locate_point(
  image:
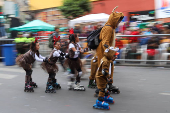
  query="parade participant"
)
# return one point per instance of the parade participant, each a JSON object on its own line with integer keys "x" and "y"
{"x": 107, "y": 38}
{"x": 51, "y": 68}
{"x": 74, "y": 62}
{"x": 26, "y": 60}
{"x": 104, "y": 73}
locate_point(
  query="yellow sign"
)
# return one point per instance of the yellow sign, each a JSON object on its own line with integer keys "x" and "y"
{"x": 44, "y": 4}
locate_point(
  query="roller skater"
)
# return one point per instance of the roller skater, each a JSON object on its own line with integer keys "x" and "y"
{"x": 51, "y": 68}
{"x": 74, "y": 63}
{"x": 107, "y": 37}
{"x": 26, "y": 60}
{"x": 104, "y": 72}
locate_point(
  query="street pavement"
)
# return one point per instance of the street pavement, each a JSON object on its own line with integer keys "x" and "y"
{"x": 142, "y": 90}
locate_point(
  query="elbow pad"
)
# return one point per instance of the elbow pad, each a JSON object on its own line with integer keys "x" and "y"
{"x": 77, "y": 52}
{"x": 104, "y": 72}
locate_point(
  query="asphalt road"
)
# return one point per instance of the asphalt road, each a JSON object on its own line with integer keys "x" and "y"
{"x": 142, "y": 90}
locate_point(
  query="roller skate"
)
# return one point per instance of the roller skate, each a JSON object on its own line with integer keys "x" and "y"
{"x": 113, "y": 89}
{"x": 92, "y": 84}
{"x": 78, "y": 87}
{"x": 56, "y": 85}
{"x": 108, "y": 99}
{"x": 33, "y": 84}
{"x": 49, "y": 88}
{"x": 28, "y": 88}
{"x": 101, "y": 104}
{"x": 75, "y": 87}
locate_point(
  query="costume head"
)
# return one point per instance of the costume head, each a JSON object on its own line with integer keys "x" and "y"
{"x": 115, "y": 18}
{"x": 110, "y": 52}
{"x": 72, "y": 36}
{"x": 33, "y": 45}
{"x": 55, "y": 40}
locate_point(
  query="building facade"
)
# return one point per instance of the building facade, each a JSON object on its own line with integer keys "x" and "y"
{"x": 47, "y": 11}
{"x": 133, "y": 6}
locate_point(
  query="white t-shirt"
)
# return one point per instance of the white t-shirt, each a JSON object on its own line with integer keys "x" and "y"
{"x": 40, "y": 58}
{"x": 71, "y": 46}
{"x": 56, "y": 53}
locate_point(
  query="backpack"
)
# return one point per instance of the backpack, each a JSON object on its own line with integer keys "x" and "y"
{"x": 93, "y": 38}
{"x": 50, "y": 44}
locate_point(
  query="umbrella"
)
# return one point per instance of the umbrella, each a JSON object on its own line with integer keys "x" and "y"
{"x": 89, "y": 18}
{"x": 34, "y": 26}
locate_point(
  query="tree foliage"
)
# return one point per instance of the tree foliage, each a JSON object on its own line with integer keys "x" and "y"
{"x": 75, "y": 8}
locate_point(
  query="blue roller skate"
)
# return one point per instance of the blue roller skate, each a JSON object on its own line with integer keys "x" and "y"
{"x": 101, "y": 104}
{"x": 108, "y": 99}
{"x": 49, "y": 88}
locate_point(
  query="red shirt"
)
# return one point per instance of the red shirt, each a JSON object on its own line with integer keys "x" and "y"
{"x": 134, "y": 39}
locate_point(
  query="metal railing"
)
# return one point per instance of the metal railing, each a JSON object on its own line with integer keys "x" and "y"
{"x": 45, "y": 50}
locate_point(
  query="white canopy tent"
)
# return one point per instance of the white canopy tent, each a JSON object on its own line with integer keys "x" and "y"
{"x": 89, "y": 18}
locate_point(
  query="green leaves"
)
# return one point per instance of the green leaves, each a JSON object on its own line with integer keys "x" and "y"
{"x": 75, "y": 8}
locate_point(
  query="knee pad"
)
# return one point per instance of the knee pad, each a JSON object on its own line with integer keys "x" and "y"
{"x": 28, "y": 72}
{"x": 80, "y": 73}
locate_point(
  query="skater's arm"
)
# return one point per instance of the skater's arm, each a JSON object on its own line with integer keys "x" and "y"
{"x": 41, "y": 57}
{"x": 38, "y": 59}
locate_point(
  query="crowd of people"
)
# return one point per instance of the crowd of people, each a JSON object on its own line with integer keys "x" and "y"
{"x": 152, "y": 42}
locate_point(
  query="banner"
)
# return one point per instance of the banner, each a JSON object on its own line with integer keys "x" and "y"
{"x": 162, "y": 8}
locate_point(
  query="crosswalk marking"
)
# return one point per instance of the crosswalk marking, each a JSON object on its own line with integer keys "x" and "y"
{"x": 12, "y": 70}
{"x": 164, "y": 93}
{"x": 7, "y": 76}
